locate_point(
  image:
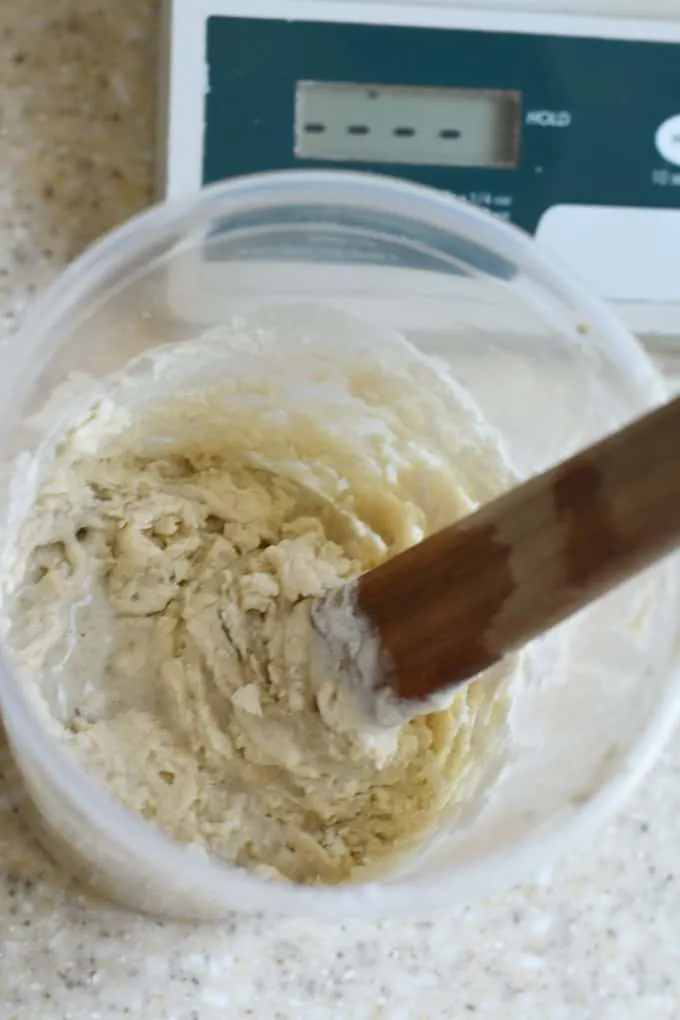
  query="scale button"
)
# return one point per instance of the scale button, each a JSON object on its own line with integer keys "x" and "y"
{"x": 667, "y": 139}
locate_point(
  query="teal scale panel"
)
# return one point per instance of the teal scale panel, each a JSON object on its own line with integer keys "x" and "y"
{"x": 614, "y": 95}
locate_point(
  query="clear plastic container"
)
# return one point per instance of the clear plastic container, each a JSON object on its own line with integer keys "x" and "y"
{"x": 551, "y": 369}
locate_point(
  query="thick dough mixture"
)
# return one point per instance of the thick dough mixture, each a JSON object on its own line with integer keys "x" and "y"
{"x": 159, "y": 596}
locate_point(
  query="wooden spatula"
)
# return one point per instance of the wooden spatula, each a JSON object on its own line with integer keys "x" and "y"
{"x": 442, "y": 612}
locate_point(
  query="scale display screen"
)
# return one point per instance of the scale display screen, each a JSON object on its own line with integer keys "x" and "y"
{"x": 398, "y": 124}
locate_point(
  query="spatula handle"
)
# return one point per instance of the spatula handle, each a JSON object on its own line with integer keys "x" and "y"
{"x": 453, "y": 605}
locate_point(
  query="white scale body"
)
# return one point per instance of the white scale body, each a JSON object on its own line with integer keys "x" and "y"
{"x": 565, "y": 124}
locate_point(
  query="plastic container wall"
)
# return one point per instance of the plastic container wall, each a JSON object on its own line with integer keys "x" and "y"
{"x": 551, "y": 369}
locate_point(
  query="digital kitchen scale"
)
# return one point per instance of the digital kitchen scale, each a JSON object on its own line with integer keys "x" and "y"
{"x": 566, "y": 126}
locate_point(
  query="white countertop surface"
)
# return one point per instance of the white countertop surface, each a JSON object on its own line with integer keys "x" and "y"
{"x": 595, "y": 937}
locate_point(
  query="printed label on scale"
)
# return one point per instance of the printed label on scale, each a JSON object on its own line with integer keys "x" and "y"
{"x": 664, "y": 178}
{"x": 548, "y": 118}
{"x": 499, "y": 205}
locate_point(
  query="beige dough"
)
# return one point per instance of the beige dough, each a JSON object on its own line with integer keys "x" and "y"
{"x": 160, "y": 602}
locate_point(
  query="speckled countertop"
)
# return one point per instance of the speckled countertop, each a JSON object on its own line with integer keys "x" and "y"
{"x": 597, "y": 937}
